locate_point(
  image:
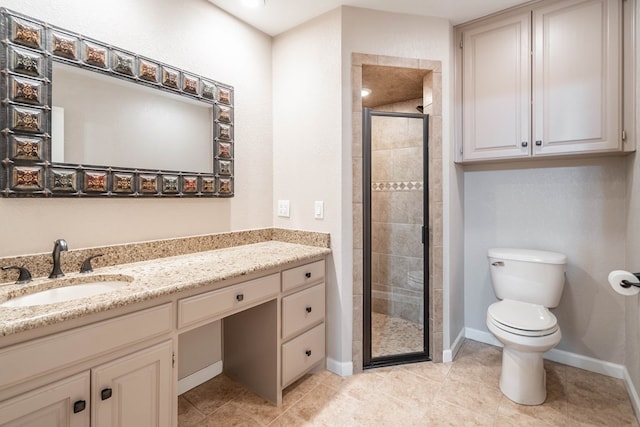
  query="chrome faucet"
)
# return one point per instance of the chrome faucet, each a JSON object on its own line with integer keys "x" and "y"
{"x": 59, "y": 245}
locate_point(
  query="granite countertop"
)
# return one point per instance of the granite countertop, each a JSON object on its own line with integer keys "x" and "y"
{"x": 149, "y": 279}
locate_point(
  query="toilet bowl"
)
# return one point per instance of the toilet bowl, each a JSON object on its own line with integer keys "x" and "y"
{"x": 527, "y": 282}
{"x": 523, "y": 379}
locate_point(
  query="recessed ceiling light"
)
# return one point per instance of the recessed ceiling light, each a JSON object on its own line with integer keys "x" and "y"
{"x": 253, "y": 4}
{"x": 365, "y": 92}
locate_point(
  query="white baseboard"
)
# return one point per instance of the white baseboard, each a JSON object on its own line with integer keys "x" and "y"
{"x": 481, "y": 336}
{"x": 344, "y": 369}
{"x": 199, "y": 377}
{"x": 574, "y": 360}
{"x": 566, "y": 358}
{"x": 587, "y": 363}
{"x": 450, "y": 354}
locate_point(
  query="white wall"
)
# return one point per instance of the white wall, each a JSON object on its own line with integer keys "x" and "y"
{"x": 576, "y": 207}
{"x": 632, "y": 304}
{"x": 190, "y": 34}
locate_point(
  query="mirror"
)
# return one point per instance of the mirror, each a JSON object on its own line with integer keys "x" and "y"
{"x": 155, "y": 129}
{"x": 84, "y": 118}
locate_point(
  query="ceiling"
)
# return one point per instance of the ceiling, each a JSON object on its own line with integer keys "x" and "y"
{"x": 391, "y": 84}
{"x": 278, "y": 16}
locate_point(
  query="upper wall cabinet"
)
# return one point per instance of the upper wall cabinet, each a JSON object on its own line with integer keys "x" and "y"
{"x": 541, "y": 81}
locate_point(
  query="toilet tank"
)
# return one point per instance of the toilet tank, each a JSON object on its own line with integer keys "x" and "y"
{"x": 527, "y": 275}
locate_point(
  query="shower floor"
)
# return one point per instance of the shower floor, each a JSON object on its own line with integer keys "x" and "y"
{"x": 392, "y": 335}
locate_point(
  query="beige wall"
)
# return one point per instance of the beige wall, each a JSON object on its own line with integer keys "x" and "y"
{"x": 413, "y": 38}
{"x": 307, "y": 151}
{"x": 190, "y": 34}
{"x": 312, "y": 131}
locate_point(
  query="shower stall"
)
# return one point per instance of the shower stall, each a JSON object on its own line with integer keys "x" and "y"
{"x": 395, "y": 185}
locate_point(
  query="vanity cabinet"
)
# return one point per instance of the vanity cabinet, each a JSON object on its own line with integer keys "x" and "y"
{"x": 303, "y": 315}
{"x": 541, "y": 80}
{"x": 120, "y": 370}
{"x": 134, "y": 389}
{"x": 64, "y": 403}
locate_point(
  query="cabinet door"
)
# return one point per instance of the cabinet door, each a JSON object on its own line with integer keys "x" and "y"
{"x": 64, "y": 403}
{"x": 135, "y": 390}
{"x": 577, "y": 77}
{"x": 496, "y": 89}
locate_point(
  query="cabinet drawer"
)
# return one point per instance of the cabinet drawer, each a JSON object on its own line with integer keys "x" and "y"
{"x": 224, "y": 301}
{"x": 302, "y": 275}
{"x": 56, "y": 351}
{"x": 302, "y": 353}
{"x": 302, "y": 309}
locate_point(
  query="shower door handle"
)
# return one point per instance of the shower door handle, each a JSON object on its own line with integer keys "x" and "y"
{"x": 424, "y": 230}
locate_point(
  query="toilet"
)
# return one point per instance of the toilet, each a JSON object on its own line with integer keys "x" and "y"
{"x": 528, "y": 283}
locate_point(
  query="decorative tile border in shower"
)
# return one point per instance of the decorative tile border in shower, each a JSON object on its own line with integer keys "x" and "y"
{"x": 397, "y": 186}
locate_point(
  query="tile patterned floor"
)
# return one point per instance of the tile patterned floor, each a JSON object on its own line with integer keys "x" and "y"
{"x": 393, "y": 335}
{"x": 462, "y": 393}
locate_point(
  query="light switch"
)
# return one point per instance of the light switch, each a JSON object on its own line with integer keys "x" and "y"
{"x": 319, "y": 210}
{"x": 283, "y": 208}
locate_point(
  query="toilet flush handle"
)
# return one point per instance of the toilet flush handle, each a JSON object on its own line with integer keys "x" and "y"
{"x": 497, "y": 264}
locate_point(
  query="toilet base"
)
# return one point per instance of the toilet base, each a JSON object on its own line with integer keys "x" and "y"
{"x": 523, "y": 378}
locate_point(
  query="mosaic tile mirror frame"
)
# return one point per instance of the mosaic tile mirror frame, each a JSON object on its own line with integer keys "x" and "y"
{"x": 26, "y": 60}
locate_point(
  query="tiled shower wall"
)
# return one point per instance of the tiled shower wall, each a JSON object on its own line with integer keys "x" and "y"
{"x": 397, "y": 213}
{"x": 435, "y": 197}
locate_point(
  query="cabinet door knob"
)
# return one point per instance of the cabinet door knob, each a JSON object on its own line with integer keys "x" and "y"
{"x": 307, "y": 274}
{"x": 524, "y": 143}
{"x": 539, "y": 143}
{"x": 308, "y": 309}
{"x": 308, "y": 353}
{"x": 239, "y": 297}
{"x": 106, "y": 393}
{"x": 79, "y": 406}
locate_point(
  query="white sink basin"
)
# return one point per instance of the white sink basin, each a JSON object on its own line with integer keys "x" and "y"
{"x": 65, "y": 293}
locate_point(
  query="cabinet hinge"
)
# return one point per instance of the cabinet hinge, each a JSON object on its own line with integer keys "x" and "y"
{"x": 173, "y": 359}
{"x": 624, "y": 135}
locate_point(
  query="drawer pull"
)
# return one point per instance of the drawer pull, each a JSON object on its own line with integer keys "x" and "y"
{"x": 79, "y": 406}
{"x": 308, "y": 353}
{"x": 239, "y": 297}
{"x": 307, "y": 274}
{"x": 106, "y": 394}
{"x": 308, "y": 309}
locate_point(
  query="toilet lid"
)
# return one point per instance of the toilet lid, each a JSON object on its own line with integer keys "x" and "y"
{"x": 522, "y": 318}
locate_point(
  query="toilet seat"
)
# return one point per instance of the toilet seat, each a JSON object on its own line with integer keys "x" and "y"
{"x": 521, "y": 318}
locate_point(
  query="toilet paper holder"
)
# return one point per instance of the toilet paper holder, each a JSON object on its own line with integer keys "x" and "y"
{"x": 628, "y": 284}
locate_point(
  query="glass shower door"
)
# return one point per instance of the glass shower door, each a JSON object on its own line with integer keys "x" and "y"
{"x": 395, "y": 244}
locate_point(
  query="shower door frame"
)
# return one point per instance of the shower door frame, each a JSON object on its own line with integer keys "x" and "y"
{"x": 396, "y": 359}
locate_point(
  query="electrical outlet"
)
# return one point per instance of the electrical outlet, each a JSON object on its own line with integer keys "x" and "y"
{"x": 283, "y": 208}
{"x": 318, "y": 212}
